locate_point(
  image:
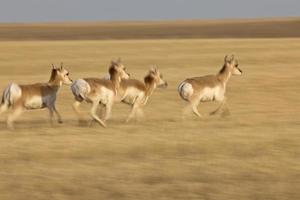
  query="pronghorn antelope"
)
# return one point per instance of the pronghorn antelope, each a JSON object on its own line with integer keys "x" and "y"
{"x": 209, "y": 88}
{"x": 137, "y": 93}
{"x": 35, "y": 96}
{"x": 99, "y": 91}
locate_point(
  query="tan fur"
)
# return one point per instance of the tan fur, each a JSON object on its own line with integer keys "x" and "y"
{"x": 99, "y": 91}
{"x": 210, "y": 87}
{"x": 34, "y": 96}
{"x": 137, "y": 93}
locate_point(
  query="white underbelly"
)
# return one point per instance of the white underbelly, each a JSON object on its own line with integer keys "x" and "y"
{"x": 212, "y": 94}
{"x": 34, "y": 102}
{"x": 104, "y": 96}
{"x": 132, "y": 94}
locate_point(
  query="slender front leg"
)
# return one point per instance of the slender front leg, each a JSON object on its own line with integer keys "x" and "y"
{"x": 223, "y": 102}
{"x": 132, "y": 113}
{"x": 51, "y": 115}
{"x": 107, "y": 114}
{"x": 94, "y": 114}
{"x": 59, "y": 119}
{"x": 13, "y": 116}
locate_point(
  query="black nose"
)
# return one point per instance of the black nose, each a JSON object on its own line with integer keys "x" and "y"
{"x": 240, "y": 70}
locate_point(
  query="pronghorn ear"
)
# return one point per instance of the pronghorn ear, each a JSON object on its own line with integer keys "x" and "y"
{"x": 152, "y": 70}
{"x": 226, "y": 59}
{"x": 118, "y": 60}
{"x": 113, "y": 62}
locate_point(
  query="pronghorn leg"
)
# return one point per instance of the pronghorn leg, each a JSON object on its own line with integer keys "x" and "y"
{"x": 94, "y": 114}
{"x": 139, "y": 114}
{"x": 59, "y": 119}
{"x": 3, "y": 108}
{"x": 13, "y": 116}
{"x": 107, "y": 114}
{"x": 195, "y": 109}
{"x": 223, "y": 103}
{"x": 76, "y": 106}
{"x": 102, "y": 111}
{"x": 132, "y": 113}
{"x": 51, "y": 113}
{"x": 226, "y": 111}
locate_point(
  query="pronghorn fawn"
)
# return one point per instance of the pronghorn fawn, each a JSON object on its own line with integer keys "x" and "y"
{"x": 99, "y": 92}
{"x": 137, "y": 93}
{"x": 35, "y": 96}
{"x": 209, "y": 88}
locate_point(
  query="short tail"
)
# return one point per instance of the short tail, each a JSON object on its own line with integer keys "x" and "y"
{"x": 185, "y": 90}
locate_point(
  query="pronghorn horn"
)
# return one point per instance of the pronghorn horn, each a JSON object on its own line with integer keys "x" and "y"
{"x": 226, "y": 58}
{"x": 119, "y": 60}
{"x": 153, "y": 70}
{"x": 53, "y": 67}
{"x": 61, "y": 65}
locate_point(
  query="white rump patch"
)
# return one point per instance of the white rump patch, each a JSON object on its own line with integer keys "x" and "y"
{"x": 80, "y": 88}
{"x": 12, "y": 93}
{"x": 185, "y": 90}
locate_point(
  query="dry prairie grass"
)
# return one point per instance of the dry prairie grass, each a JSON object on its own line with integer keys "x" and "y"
{"x": 251, "y": 28}
{"x": 252, "y": 154}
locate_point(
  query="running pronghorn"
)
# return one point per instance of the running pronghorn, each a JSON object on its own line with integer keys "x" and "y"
{"x": 137, "y": 93}
{"x": 209, "y": 88}
{"x": 35, "y": 96}
{"x": 99, "y": 91}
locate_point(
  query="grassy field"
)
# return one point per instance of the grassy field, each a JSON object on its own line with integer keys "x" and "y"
{"x": 192, "y": 29}
{"x": 252, "y": 154}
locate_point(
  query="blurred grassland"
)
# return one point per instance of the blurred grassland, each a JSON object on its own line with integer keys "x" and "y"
{"x": 252, "y": 154}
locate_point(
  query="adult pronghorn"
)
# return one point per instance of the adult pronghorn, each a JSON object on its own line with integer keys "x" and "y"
{"x": 35, "y": 96}
{"x": 99, "y": 91}
{"x": 209, "y": 88}
{"x": 137, "y": 93}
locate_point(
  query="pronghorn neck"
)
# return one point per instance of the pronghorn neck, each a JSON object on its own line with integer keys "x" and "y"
{"x": 224, "y": 74}
{"x": 54, "y": 80}
{"x": 115, "y": 79}
{"x": 150, "y": 85}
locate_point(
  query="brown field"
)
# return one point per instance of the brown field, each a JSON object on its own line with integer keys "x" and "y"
{"x": 251, "y": 28}
{"x": 252, "y": 154}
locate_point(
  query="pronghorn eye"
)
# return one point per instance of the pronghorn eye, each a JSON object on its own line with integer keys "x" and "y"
{"x": 67, "y": 74}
